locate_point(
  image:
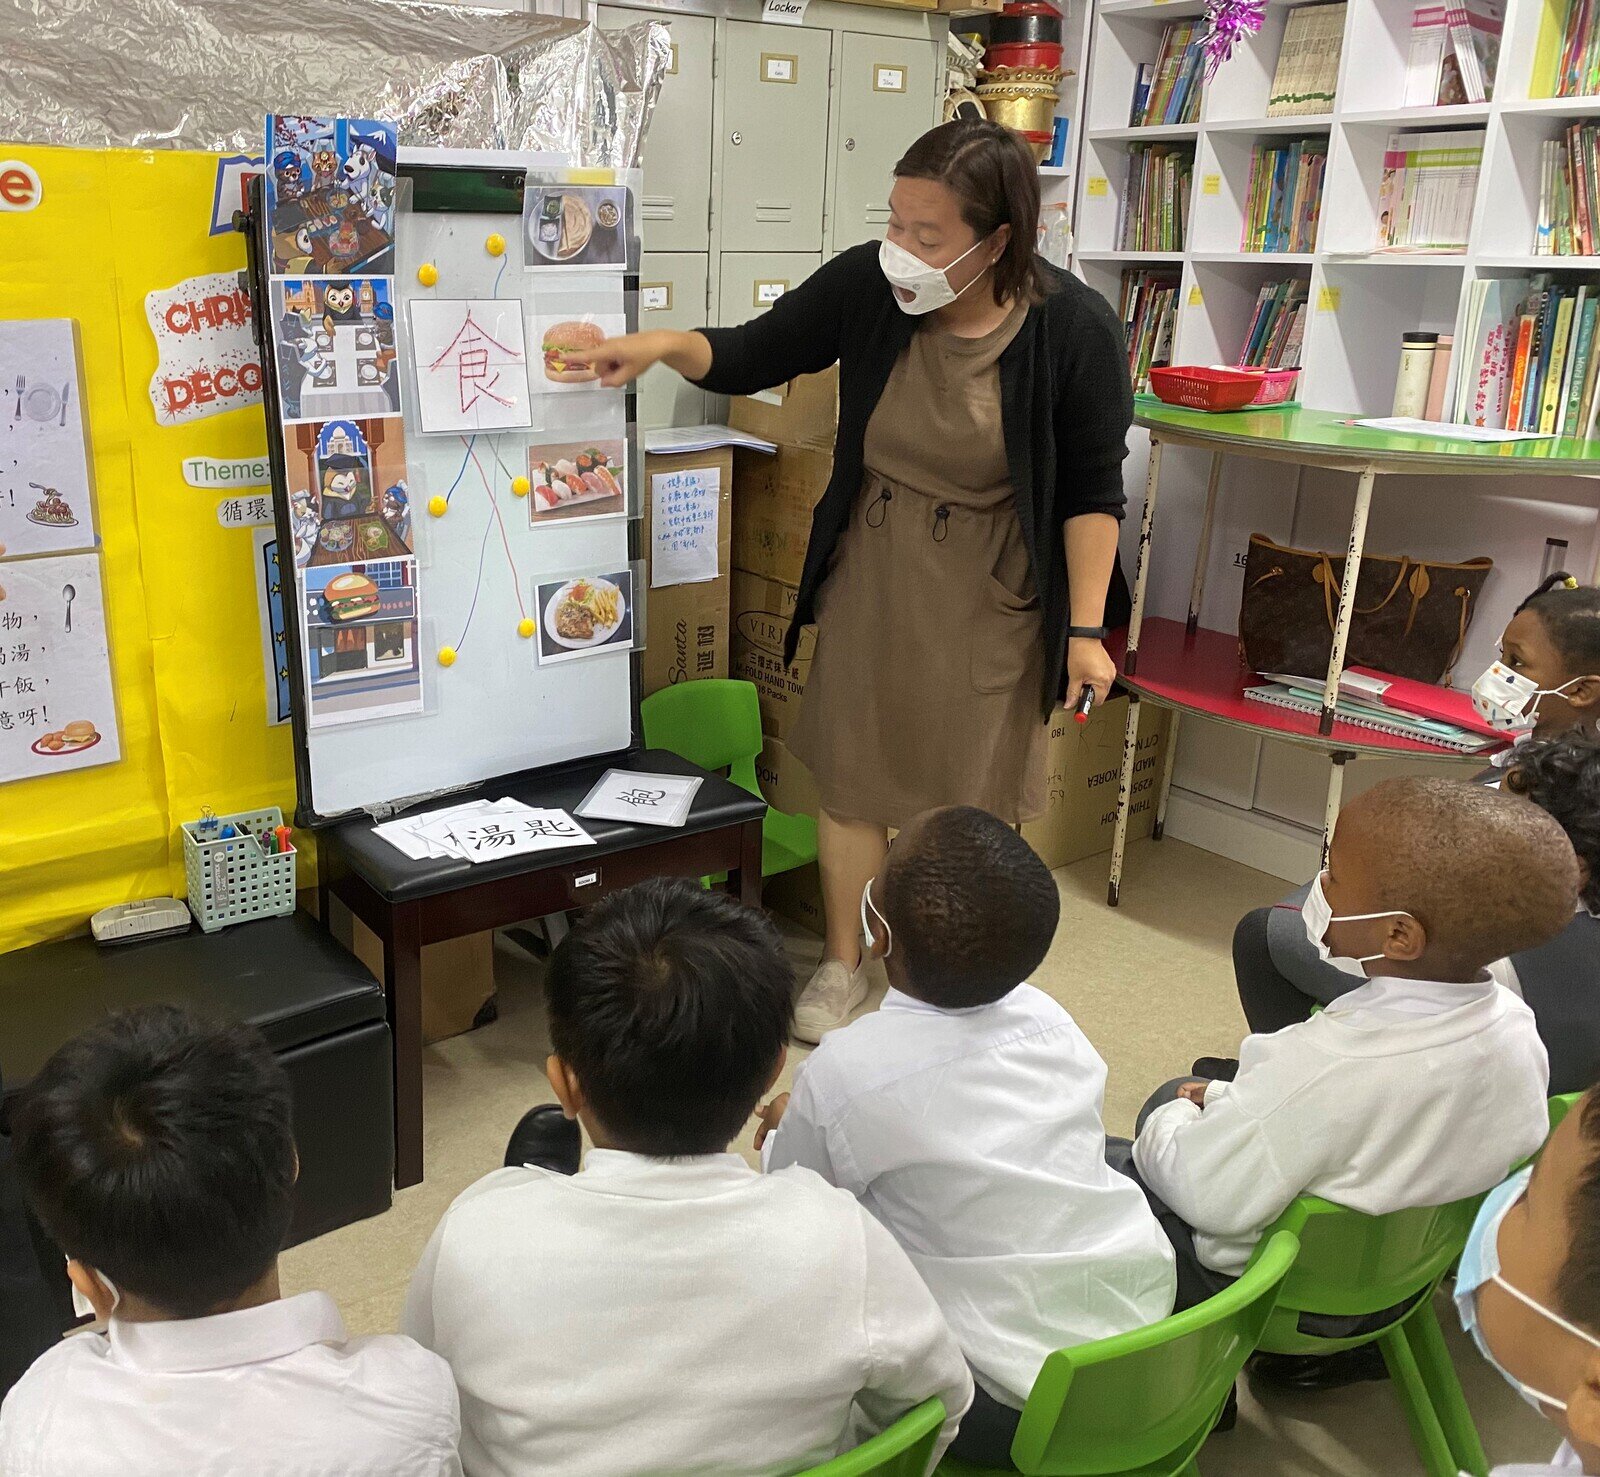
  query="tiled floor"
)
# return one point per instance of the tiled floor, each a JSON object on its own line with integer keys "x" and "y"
{"x": 1150, "y": 983}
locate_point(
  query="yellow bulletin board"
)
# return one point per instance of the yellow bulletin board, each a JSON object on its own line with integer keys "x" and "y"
{"x": 106, "y": 230}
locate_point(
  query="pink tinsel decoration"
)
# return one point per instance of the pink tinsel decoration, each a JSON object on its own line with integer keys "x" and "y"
{"x": 1231, "y": 21}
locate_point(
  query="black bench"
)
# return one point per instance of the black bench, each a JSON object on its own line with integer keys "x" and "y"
{"x": 317, "y": 1005}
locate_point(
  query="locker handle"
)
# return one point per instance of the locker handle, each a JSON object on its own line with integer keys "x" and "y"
{"x": 658, "y": 207}
{"x": 774, "y": 212}
{"x": 877, "y": 215}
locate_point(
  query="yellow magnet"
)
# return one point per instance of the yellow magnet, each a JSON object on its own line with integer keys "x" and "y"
{"x": 495, "y": 244}
{"x": 526, "y": 627}
{"x": 521, "y": 486}
{"x": 427, "y": 274}
{"x": 447, "y": 656}
{"x": 437, "y": 506}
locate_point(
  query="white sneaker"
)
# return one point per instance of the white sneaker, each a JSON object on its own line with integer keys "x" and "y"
{"x": 825, "y": 1004}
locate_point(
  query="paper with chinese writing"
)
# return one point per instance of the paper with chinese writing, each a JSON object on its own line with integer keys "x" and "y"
{"x": 360, "y": 641}
{"x": 472, "y": 364}
{"x": 44, "y": 459}
{"x": 684, "y": 512}
{"x": 641, "y": 799}
{"x": 57, "y": 703}
{"x": 482, "y": 831}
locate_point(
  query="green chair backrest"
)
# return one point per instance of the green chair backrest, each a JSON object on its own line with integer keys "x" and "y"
{"x": 715, "y": 724}
{"x": 1560, "y": 1107}
{"x": 1352, "y": 1264}
{"x": 1122, "y": 1403}
{"x": 901, "y": 1451}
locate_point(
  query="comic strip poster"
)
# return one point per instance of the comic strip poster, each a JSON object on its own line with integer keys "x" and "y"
{"x": 348, "y": 498}
{"x": 336, "y": 347}
{"x": 361, "y": 639}
{"x": 330, "y": 195}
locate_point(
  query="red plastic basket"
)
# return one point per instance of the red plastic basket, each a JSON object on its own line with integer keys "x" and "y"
{"x": 1203, "y": 387}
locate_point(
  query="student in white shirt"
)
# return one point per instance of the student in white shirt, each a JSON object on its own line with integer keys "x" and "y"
{"x": 157, "y": 1150}
{"x": 1528, "y": 1287}
{"x": 1425, "y": 1084}
{"x": 667, "y": 1308}
{"x": 965, "y": 1115}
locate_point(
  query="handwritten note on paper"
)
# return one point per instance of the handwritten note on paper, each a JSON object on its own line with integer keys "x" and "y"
{"x": 685, "y": 508}
{"x": 57, "y": 707}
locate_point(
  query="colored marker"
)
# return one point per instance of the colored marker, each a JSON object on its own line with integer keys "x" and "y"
{"x": 282, "y": 833}
{"x": 1080, "y": 714}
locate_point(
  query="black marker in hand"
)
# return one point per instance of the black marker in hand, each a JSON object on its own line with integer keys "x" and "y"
{"x": 1080, "y": 714}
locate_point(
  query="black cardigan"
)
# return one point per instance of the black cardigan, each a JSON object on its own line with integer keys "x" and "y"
{"x": 1066, "y": 405}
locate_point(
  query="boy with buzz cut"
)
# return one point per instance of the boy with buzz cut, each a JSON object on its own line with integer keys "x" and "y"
{"x": 666, "y": 1308}
{"x": 965, "y": 1115}
{"x": 1422, "y": 1086}
{"x": 157, "y": 1151}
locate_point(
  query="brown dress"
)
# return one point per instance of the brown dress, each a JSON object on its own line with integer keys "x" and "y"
{"x": 924, "y": 689}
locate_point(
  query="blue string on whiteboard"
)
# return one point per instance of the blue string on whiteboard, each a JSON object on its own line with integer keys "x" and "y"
{"x": 493, "y": 520}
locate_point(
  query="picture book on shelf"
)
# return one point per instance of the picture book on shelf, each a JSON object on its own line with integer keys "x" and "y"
{"x": 1426, "y": 193}
{"x": 1149, "y": 310}
{"x": 1272, "y": 341}
{"x": 1566, "y": 59}
{"x": 1568, "y": 223}
{"x": 1285, "y": 196}
{"x": 1168, "y": 90}
{"x": 1155, "y": 201}
{"x": 1454, "y": 52}
{"x": 1308, "y": 62}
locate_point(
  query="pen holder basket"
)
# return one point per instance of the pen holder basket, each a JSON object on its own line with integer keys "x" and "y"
{"x": 238, "y": 879}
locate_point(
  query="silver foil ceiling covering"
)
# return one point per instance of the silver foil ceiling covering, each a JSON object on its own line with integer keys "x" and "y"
{"x": 202, "y": 74}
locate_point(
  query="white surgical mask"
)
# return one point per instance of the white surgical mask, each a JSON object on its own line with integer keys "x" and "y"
{"x": 868, "y": 943}
{"x": 1507, "y": 700}
{"x": 1318, "y": 915}
{"x": 83, "y": 1307}
{"x": 929, "y": 286}
{"x": 1480, "y": 1263}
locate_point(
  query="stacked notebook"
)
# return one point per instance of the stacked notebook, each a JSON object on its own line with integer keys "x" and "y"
{"x": 1385, "y": 704}
{"x": 1455, "y": 51}
{"x": 1308, "y": 62}
{"x": 1429, "y": 183}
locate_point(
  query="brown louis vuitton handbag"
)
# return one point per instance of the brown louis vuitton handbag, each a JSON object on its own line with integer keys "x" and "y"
{"x": 1411, "y": 615}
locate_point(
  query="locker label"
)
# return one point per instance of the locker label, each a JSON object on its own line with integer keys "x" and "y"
{"x": 767, "y": 293}
{"x": 888, "y": 79}
{"x": 655, "y": 297}
{"x": 1195, "y": 297}
{"x": 784, "y": 12}
{"x": 775, "y": 68}
{"x": 1098, "y": 187}
{"x": 1211, "y": 184}
{"x": 1327, "y": 299}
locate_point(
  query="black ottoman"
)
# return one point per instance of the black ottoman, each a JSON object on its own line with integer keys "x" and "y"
{"x": 317, "y": 1005}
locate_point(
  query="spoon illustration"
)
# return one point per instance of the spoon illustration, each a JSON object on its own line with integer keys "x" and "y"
{"x": 70, "y": 594}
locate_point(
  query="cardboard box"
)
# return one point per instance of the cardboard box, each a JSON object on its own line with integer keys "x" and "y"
{"x": 687, "y": 625}
{"x": 1083, "y": 768}
{"x": 773, "y": 500}
{"x": 797, "y": 896}
{"x": 803, "y": 412}
{"x": 762, "y": 609}
{"x": 786, "y": 783}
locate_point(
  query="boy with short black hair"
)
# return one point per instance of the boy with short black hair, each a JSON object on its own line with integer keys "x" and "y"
{"x": 1420, "y": 1087}
{"x": 965, "y": 1115}
{"x": 668, "y": 1309}
{"x": 158, "y": 1153}
{"x": 1528, "y": 1287}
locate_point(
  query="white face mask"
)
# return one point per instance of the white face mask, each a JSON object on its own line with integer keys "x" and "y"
{"x": 1507, "y": 700}
{"x": 83, "y": 1307}
{"x": 1480, "y": 1263}
{"x": 929, "y": 286}
{"x": 868, "y": 942}
{"x": 1318, "y": 915}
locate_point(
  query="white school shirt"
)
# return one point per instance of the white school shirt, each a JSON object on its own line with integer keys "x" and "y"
{"x": 975, "y": 1137}
{"x": 275, "y": 1391}
{"x": 1564, "y": 1461}
{"x": 1400, "y": 1093}
{"x": 675, "y": 1316}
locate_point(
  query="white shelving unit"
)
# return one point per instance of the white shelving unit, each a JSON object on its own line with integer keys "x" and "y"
{"x": 1360, "y": 301}
{"x": 1057, "y": 183}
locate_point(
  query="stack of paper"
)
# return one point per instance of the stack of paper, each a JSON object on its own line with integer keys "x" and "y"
{"x": 482, "y": 831}
{"x": 644, "y": 799}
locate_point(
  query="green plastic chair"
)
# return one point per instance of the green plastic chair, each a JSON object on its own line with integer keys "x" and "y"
{"x": 1352, "y": 1265}
{"x": 901, "y": 1451}
{"x": 1141, "y": 1404}
{"x": 716, "y": 724}
{"x": 1560, "y": 1107}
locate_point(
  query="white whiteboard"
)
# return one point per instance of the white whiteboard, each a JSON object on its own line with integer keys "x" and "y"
{"x": 495, "y": 710}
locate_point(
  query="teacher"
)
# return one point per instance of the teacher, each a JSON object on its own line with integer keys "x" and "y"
{"x": 960, "y": 558}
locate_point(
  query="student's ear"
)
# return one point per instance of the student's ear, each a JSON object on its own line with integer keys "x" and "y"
{"x": 1584, "y": 694}
{"x": 87, "y": 1281}
{"x": 565, "y": 1086}
{"x": 1583, "y": 1409}
{"x": 1405, "y": 939}
{"x": 777, "y": 1070}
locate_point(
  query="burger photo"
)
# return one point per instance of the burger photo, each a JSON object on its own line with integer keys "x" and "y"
{"x": 349, "y": 597}
{"x": 562, "y": 339}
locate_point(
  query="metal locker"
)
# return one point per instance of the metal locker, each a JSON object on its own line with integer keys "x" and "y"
{"x": 674, "y": 292}
{"x": 751, "y": 282}
{"x": 774, "y": 137}
{"x": 886, "y": 101}
{"x": 676, "y": 203}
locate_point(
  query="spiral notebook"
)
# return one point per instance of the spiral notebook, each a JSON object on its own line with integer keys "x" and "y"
{"x": 1379, "y": 720}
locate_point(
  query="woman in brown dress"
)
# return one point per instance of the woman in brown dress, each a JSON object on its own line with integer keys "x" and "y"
{"x": 961, "y": 556}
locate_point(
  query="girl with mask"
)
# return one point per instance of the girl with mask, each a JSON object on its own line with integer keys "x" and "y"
{"x": 960, "y": 560}
{"x": 1528, "y": 1288}
{"x": 1546, "y": 684}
